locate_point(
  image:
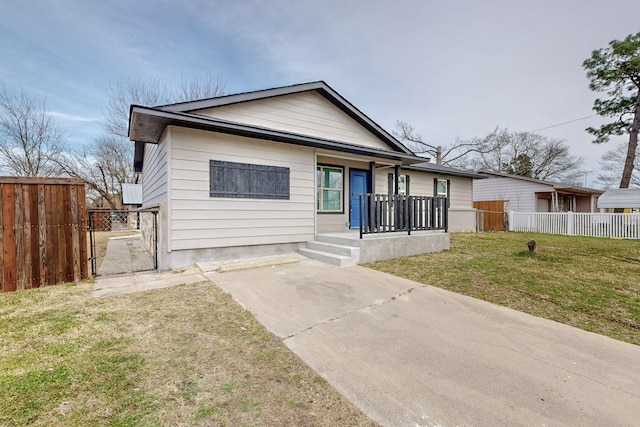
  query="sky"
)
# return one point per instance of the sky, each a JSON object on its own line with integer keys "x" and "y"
{"x": 452, "y": 69}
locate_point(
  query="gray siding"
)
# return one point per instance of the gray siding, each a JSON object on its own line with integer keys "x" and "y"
{"x": 198, "y": 220}
{"x": 306, "y": 113}
{"x": 519, "y": 195}
{"x": 154, "y": 174}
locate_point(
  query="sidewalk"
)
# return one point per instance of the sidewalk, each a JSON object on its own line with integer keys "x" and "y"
{"x": 125, "y": 254}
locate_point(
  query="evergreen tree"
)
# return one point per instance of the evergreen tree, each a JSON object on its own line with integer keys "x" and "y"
{"x": 616, "y": 71}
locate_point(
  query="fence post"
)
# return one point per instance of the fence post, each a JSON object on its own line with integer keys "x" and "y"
{"x": 511, "y": 222}
{"x": 91, "y": 245}
{"x": 570, "y": 223}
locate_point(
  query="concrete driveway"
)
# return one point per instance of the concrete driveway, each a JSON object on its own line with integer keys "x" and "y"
{"x": 414, "y": 355}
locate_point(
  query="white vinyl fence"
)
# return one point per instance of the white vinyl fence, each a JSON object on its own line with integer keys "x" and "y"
{"x": 617, "y": 225}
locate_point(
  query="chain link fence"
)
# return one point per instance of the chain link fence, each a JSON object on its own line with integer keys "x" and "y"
{"x": 106, "y": 224}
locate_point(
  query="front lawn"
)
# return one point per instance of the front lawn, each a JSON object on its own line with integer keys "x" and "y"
{"x": 590, "y": 283}
{"x": 182, "y": 356}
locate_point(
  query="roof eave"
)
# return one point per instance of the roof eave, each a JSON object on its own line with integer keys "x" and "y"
{"x": 447, "y": 171}
{"x": 319, "y": 86}
{"x": 148, "y": 124}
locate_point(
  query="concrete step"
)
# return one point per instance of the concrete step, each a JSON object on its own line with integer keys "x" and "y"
{"x": 329, "y": 258}
{"x": 339, "y": 240}
{"x": 333, "y": 248}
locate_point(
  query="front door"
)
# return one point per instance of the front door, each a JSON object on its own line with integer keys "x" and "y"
{"x": 358, "y": 184}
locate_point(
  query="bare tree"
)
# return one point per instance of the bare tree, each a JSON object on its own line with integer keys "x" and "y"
{"x": 612, "y": 164}
{"x": 531, "y": 155}
{"x": 104, "y": 165}
{"x": 152, "y": 93}
{"x": 108, "y": 162}
{"x": 455, "y": 155}
{"x": 518, "y": 153}
{"x": 30, "y": 139}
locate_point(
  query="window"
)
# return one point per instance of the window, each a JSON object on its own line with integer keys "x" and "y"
{"x": 403, "y": 184}
{"x": 330, "y": 186}
{"x": 442, "y": 187}
{"x": 244, "y": 180}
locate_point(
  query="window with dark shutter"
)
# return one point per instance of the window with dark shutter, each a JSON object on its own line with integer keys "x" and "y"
{"x": 248, "y": 181}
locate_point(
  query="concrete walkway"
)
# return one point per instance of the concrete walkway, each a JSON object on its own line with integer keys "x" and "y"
{"x": 128, "y": 267}
{"x": 415, "y": 355}
{"x": 125, "y": 254}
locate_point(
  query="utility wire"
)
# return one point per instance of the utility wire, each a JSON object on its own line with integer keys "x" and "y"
{"x": 564, "y": 123}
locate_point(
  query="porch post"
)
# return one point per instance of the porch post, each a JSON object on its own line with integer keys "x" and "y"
{"x": 397, "y": 180}
{"x": 396, "y": 198}
{"x": 371, "y": 217}
{"x": 372, "y": 177}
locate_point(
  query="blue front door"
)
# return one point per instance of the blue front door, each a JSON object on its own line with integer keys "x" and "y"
{"x": 358, "y": 184}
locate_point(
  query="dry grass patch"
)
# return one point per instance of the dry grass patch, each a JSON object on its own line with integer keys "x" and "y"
{"x": 589, "y": 283}
{"x": 182, "y": 356}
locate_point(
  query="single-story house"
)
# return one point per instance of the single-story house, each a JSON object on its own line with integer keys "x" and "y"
{"x": 620, "y": 198}
{"x": 291, "y": 168}
{"x": 522, "y": 194}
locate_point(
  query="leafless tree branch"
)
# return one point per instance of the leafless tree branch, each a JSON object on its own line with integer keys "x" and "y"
{"x": 30, "y": 139}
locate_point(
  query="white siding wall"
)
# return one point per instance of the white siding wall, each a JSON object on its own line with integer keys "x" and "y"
{"x": 154, "y": 173}
{"x": 462, "y": 216}
{"x": 519, "y": 195}
{"x": 199, "y": 221}
{"x": 421, "y": 184}
{"x": 307, "y": 113}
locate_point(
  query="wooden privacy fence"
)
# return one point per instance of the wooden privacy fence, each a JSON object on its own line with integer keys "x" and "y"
{"x": 42, "y": 232}
{"x": 490, "y": 215}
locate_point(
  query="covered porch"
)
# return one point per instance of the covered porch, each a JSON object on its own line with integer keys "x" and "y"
{"x": 370, "y": 209}
{"x": 567, "y": 200}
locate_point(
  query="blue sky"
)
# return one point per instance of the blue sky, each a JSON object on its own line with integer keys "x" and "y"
{"x": 451, "y": 69}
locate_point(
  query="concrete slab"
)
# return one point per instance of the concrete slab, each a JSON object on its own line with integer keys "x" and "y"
{"x": 289, "y": 299}
{"x": 138, "y": 282}
{"x": 125, "y": 254}
{"x": 415, "y": 355}
{"x": 247, "y": 263}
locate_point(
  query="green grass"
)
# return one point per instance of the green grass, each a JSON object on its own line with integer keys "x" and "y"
{"x": 187, "y": 356}
{"x": 589, "y": 283}
{"x": 60, "y": 366}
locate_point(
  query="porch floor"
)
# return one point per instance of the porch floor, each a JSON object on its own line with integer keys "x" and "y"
{"x": 382, "y": 246}
{"x": 355, "y": 234}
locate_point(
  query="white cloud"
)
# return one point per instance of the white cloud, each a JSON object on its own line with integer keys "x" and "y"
{"x": 73, "y": 117}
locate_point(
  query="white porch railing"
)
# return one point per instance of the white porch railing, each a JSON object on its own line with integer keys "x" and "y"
{"x": 617, "y": 225}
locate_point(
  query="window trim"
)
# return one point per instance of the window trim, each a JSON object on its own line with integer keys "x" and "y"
{"x": 437, "y": 194}
{"x": 320, "y": 188}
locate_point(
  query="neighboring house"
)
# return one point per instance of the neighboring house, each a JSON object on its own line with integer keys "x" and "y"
{"x": 627, "y": 199}
{"x": 522, "y": 194}
{"x": 269, "y": 171}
